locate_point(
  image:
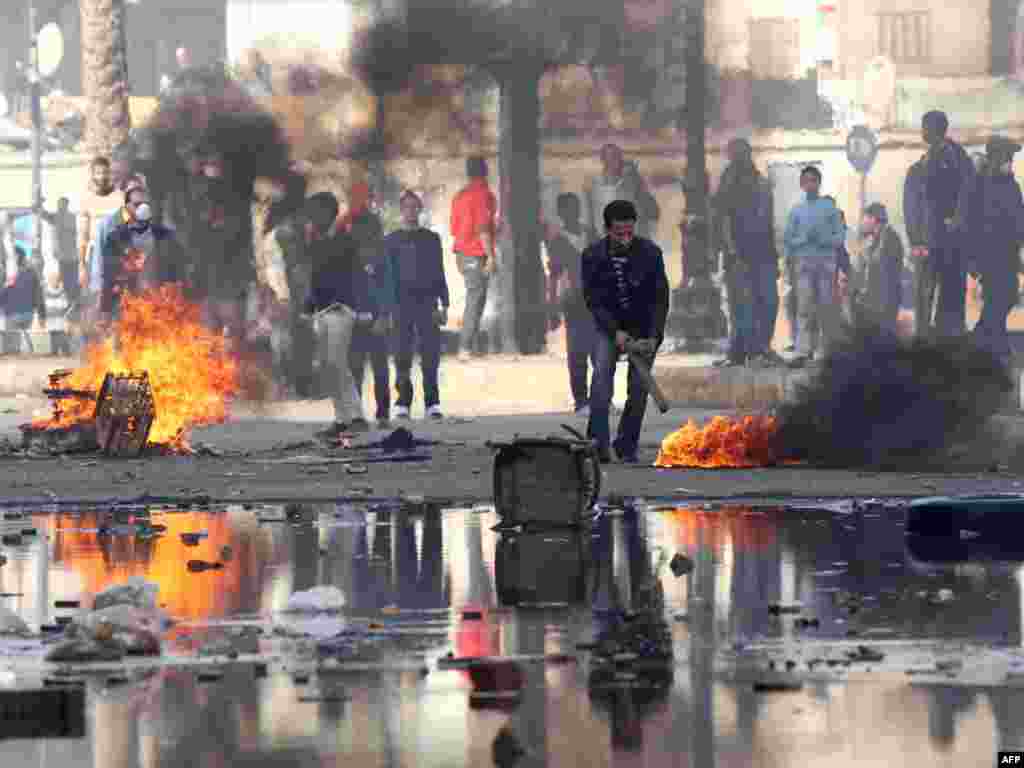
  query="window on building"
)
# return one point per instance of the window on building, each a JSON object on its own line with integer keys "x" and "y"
{"x": 775, "y": 48}
{"x": 905, "y": 37}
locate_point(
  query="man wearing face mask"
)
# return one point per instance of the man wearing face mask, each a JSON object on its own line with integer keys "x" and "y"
{"x": 995, "y": 226}
{"x": 140, "y": 256}
{"x": 626, "y": 288}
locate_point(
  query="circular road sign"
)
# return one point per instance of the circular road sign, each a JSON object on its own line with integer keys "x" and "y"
{"x": 861, "y": 148}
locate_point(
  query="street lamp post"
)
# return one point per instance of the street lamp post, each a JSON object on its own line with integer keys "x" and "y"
{"x": 37, "y": 132}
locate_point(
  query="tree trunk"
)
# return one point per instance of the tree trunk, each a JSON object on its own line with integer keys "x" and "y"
{"x": 104, "y": 75}
{"x": 520, "y": 149}
{"x": 697, "y": 205}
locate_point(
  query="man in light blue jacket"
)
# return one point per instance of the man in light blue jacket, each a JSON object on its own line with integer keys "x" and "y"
{"x": 814, "y": 234}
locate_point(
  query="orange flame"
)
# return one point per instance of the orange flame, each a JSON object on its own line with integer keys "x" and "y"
{"x": 190, "y": 371}
{"x": 724, "y": 442}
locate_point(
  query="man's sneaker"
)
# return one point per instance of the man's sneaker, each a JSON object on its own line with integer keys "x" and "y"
{"x": 359, "y": 425}
{"x": 384, "y": 423}
{"x": 434, "y": 413}
{"x": 729, "y": 362}
{"x": 333, "y": 432}
{"x": 604, "y": 456}
{"x": 798, "y": 363}
{"x": 402, "y": 413}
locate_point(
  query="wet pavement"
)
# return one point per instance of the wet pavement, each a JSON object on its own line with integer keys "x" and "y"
{"x": 672, "y": 635}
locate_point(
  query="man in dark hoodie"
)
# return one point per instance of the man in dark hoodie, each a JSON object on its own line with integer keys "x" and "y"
{"x": 995, "y": 226}
{"x": 338, "y": 301}
{"x": 21, "y": 299}
{"x": 933, "y": 198}
{"x": 415, "y": 259}
{"x": 877, "y": 273}
{"x": 364, "y": 226}
{"x": 626, "y": 288}
{"x": 746, "y": 221}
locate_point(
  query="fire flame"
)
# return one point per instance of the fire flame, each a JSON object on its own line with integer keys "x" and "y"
{"x": 192, "y": 375}
{"x": 724, "y": 442}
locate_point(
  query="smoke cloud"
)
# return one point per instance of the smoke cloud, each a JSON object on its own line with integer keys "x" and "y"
{"x": 885, "y": 402}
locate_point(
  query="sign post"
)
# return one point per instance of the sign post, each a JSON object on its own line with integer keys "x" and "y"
{"x": 862, "y": 151}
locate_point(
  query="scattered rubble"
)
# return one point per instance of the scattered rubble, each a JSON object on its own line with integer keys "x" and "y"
{"x": 317, "y": 600}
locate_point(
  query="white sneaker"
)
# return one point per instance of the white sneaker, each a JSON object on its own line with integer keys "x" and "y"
{"x": 434, "y": 413}
{"x": 401, "y": 412}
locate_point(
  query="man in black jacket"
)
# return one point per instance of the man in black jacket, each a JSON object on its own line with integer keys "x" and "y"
{"x": 339, "y": 301}
{"x": 416, "y": 263}
{"x": 933, "y": 198}
{"x": 995, "y": 225}
{"x": 626, "y": 289}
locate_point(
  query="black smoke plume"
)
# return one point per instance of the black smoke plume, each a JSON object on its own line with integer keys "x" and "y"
{"x": 883, "y": 401}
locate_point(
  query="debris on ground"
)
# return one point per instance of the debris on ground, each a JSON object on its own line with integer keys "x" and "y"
{"x": 193, "y": 539}
{"x": 783, "y": 609}
{"x": 136, "y": 592}
{"x": 864, "y": 653}
{"x": 200, "y": 566}
{"x": 317, "y": 600}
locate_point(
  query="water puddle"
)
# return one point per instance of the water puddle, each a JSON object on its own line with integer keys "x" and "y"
{"x": 692, "y": 634}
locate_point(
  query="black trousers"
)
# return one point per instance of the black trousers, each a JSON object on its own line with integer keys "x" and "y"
{"x": 415, "y": 326}
{"x": 368, "y": 346}
{"x": 1000, "y": 292}
{"x": 940, "y": 292}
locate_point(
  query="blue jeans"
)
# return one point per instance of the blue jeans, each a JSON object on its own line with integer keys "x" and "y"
{"x": 580, "y": 337}
{"x": 754, "y": 297}
{"x": 817, "y": 314}
{"x": 606, "y": 360}
{"x": 415, "y": 322}
{"x": 476, "y": 280}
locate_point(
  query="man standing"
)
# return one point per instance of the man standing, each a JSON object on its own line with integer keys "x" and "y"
{"x": 932, "y": 199}
{"x": 21, "y": 299}
{"x": 565, "y": 245}
{"x": 97, "y": 204}
{"x": 746, "y": 212}
{"x": 416, "y": 260}
{"x": 473, "y": 229}
{"x": 364, "y": 226}
{"x": 619, "y": 180}
{"x": 336, "y": 295}
{"x": 626, "y": 288}
{"x": 63, "y": 223}
{"x": 995, "y": 225}
{"x": 138, "y": 255}
{"x": 814, "y": 234}
{"x": 878, "y": 270}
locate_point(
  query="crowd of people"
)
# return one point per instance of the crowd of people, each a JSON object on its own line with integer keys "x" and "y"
{"x": 962, "y": 217}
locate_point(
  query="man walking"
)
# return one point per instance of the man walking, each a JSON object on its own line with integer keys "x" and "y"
{"x": 995, "y": 225}
{"x": 626, "y": 288}
{"x": 814, "y": 234}
{"x": 416, "y": 260}
{"x": 336, "y": 299}
{"x": 878, "y": 270}
{"x": 745, "y": 209}
{"x": 933, "y": 197}
{"x": 619, "y": 180}
{"x": 565, "y": 245}
{"x": 473, "y": 229}
{"x": 371, "y": 342}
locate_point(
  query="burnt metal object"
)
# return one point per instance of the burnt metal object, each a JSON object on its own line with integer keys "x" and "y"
{"x": 545, "y": 482}
{"x": 58, "y": 393}
{"x": 124, "y": 414}
{"x": 76, "y": 438}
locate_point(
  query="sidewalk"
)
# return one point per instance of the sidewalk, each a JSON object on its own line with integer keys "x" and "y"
{"x": 504, "y": 385}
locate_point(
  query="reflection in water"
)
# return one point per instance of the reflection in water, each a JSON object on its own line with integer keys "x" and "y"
{"x": 445, "y": 577}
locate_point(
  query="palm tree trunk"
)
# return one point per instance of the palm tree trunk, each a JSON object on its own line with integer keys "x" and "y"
{"x": 105, "y": 75}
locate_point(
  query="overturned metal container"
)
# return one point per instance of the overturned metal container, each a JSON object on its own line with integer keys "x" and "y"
{"x": 125, "y": 412}
{"x": 545, "y": 482}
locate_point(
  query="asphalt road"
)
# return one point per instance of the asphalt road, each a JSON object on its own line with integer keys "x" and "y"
{"x": 253, "y": 447}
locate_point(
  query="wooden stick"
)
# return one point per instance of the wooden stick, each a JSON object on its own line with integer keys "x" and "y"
{"x": 650, "y": 383}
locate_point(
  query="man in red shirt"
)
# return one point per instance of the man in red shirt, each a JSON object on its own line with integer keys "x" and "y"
{"x": 473, "y": 227}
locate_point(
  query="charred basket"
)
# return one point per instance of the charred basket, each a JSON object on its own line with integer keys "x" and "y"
{"x": 124, "y": 414}
{"x": 546, "y": 482}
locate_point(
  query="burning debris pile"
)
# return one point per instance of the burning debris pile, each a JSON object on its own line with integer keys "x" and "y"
{"x": 169, "y": 374}
{"x": 878, "y": 401}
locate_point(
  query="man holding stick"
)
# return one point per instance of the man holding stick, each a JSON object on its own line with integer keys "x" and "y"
{"x": 626, "y": 288}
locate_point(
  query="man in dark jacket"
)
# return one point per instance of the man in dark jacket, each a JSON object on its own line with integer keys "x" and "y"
{"x": 21, "y": 299}
{"x": 745, "y": 212}
{"x": 933, "y": 196}
{"x": 878, "y": 271}
{"x": 338, "y": 301}
{"x": 364, "y": 226}
{"x": 995, "y": 226}
{"x": 626, "y": 289}
{"x": 565, "y": 244}
{"x": 415, "y": 260}
{"x": 137, "y": 256}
